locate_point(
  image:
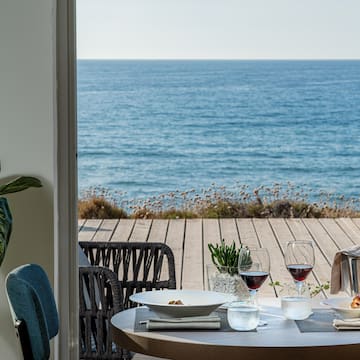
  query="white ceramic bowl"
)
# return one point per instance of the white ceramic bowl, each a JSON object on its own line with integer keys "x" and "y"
{"x": 342, "y": 306}
{"x": 195, "y": 302}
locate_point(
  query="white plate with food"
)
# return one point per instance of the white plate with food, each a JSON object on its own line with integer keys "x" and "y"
{"x": 180, "y": 303}
{"x": 346, "y": 307}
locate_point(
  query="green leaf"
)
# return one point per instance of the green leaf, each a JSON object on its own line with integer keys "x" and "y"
{"x": 313, "y": 289}
{"x": 5, "y": 227}
{"x": 19, "y": 184}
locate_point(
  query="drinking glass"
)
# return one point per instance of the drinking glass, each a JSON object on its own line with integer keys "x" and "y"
{"x": 295, "y": 306}
{"x": 254, "y": 268}
{"x": 299, "y": 260}
{"x": 243, "y": 315}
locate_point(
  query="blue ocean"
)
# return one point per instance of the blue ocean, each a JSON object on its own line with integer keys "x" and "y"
{"x": 152, "y": 127}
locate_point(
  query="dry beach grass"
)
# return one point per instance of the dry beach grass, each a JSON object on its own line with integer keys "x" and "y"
{"x": 278, "y": 201}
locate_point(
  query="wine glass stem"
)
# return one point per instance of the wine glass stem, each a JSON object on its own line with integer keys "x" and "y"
{"x": 299, "y": 285}
{"x": 254, "y": 300}
{"x": 253, "y": 296}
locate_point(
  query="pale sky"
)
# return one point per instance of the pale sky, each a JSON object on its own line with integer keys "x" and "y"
{"x": 218, "y": 29}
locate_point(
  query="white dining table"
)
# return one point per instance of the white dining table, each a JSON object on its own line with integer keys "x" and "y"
{"x": 279, "y": 339}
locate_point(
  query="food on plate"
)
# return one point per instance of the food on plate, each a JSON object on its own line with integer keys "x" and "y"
{"x": 355, "y": 302}
{"x": 175, "y": 302}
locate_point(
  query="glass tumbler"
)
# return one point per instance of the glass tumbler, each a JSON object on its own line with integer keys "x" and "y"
{"x": 243, "y": 315}
{"x": 295, "y": 305}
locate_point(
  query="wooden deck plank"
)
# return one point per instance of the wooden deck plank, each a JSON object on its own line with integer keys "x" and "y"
{"x": 211, "y": 235}
{"x": 105, "y": 230}
{"x": 89, "y": 229}
{"x": 123, "y": 230}
{"x": 350, "y": 228}
{"x": 339, "y": 236}
{"x": 247, "y": 232}
{"x": 193, "y": 256}
{"x": 141, "y": 230}
{"x": 158, "y": 230}
{"x": 281, "y": 231}
{"x": 158, "y": 234}
{"x": 81, "y": 223}
{"x": 325, "y": 243}
{"x": 356, "y": 221}
{"x": 298, "y": 229}
{"x": 175, "y": 239}
{"x": 228, "y": 231}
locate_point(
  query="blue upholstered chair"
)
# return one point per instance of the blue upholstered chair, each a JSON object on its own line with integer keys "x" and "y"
{"x": 33, "y": 310}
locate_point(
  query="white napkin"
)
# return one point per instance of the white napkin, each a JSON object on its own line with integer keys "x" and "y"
{"x": 348, "y": 324}
{"x": 340, "y": 271}
{"x": 191, "y": 322}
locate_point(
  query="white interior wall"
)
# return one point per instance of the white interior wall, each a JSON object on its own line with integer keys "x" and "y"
{"x": 27, "y": 108}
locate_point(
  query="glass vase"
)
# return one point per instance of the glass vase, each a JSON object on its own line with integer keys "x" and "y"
{"x": 226, "y": 280}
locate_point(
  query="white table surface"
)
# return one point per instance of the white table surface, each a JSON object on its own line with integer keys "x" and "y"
{"x": 279, "y": 339}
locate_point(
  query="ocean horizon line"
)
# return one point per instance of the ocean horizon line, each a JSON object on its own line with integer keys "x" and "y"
{"x": 217, "y": 59}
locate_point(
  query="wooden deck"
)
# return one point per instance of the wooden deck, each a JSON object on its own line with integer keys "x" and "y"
{"x": 189, "y": 241}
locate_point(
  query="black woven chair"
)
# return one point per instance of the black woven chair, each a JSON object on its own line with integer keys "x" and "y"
{"x": 140, "y": 266}
{"x": 100, "y": 298}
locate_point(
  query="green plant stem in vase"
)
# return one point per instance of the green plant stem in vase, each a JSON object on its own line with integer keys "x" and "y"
{"x": 223, "y": 273}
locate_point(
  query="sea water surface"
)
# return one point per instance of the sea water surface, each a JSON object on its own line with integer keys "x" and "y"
{"x": 152, "y": 127}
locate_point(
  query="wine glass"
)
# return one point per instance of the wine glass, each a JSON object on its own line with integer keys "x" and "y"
{"x": 299, "y": 260}
{"x": 254, "y": 268}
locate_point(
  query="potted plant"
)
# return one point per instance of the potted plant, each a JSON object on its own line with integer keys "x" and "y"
{"x": 17, "y": 184}
{"x": 223, "y": 273}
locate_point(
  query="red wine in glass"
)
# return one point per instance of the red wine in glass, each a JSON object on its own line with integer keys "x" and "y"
{"x": 254, "y": 268}
{"x": 299, "y": 260}
{"x": 299, "y": 271}
{"x": 254, "y": 279}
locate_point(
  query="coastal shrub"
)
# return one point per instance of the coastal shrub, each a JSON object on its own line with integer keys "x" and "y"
{"x": 99, "y": 208}
{"x": 94, "y": 204}
{"x": 178, "y": 214}
{"x": 278, "y": 201}
{"x": 167, "y": 214}
{"x": 223, "y": 209}
{"x": 255, "y": 210}
{"x": 143, "y": 214}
